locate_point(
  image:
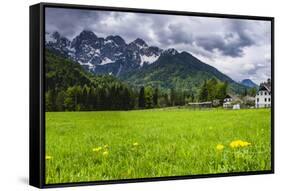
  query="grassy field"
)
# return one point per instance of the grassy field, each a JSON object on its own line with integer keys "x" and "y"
{"x": 89, "y": 146}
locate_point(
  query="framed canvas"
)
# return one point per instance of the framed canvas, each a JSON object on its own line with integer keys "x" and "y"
{"x": 123, "y": 95}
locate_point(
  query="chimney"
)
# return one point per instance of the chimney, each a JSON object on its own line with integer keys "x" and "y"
{"x": 268, "y": 81}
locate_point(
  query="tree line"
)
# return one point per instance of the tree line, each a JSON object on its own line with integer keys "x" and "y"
{"x": 87, "y": 98}
{"x": 113, "y": 96}
{"x": 120, "y": 96}
{"x": 215, "y": 90}
{"x": 212, "y": 90}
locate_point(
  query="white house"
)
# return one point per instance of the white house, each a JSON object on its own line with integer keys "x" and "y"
{"x": 227, "y": 102}
{"x": 263, "y": 97}
{"x": 231, "y": 102}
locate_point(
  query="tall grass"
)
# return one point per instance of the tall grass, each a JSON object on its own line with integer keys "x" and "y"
{"x": 89, "y": 146}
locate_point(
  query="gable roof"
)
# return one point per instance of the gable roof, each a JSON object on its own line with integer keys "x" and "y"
{"x": 227, "y": 96}
{"x": 265, "y": 87}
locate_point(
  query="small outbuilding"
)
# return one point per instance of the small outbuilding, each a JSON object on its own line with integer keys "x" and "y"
{"x": 236, "y": 106}
{"x": 207, "y": 104}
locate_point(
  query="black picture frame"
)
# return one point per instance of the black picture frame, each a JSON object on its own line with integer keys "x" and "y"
{"x": 37, "y": 81}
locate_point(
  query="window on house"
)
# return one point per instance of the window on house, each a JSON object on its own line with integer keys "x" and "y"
{"x": 258, "y": 99}
{"x": 261, "y": 93}
{"x": 269, "y": 99}
{"x": 265, "y": 93}
{"x": 265, "y": 99}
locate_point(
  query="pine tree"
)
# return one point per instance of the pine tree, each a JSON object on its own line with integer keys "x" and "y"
{"x": 69, "y": 101}
{"x": 60, "y": 101}
{"x": 141, "y": 98}
{"x": 155, "y": 97}
{"x": 126, "y": 99}
{"x": 50, "y": 100}
{"x": 253, "y": 91}
{"x": 221, "y": 91}
{"x": 166, "y": 100}
{"x": 85, "y": 98}
{"x": 203, "y": 94}
{"x": 211, "y": 89}
{"x": 172, "y": 97}
{"x": 148, "y": 97}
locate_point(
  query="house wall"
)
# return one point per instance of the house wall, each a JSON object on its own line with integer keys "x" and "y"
{"x": 227, "y": 105}
{"x": 263, "y": 99}
{"x": 227, "y": 100}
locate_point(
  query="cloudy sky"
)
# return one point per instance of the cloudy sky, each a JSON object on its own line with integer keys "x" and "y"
{"x": 239, "y": 48}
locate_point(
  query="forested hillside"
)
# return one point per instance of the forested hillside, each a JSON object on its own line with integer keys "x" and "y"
{"x": 70, "y": 87}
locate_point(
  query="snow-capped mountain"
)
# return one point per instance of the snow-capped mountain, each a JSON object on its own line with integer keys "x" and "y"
{"x": 110, "y": 55}
{"x": 136, "y": 62}
{"x": 58, "y": 43}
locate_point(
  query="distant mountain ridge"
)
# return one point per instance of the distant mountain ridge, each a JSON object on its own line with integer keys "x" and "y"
{"x": 137, "y": 62}
{"x": 248, "y": 83}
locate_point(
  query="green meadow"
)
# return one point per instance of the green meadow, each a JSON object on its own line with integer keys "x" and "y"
{"x": 109, "y": 145}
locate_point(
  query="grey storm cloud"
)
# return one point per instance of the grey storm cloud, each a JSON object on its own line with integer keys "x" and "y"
{"x": 211, "y": 39}
{"x": 69, "y": 21}
{"x": 230, "y": 43}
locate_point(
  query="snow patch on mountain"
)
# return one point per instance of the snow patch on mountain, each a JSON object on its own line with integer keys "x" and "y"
{"x": 141, "y": 46}
{"x": 118, "y": 54}
{"x": 49, "y": 38}
{"x": 97, "y": 51}
{"x": 71, "y": 49}
{"x": 119, "y": 70}
{"x": 110, "y": 42}
{"x": 148, "y": 59}
{"x": 105, "y": 61}
{"x": 88, "y": 64}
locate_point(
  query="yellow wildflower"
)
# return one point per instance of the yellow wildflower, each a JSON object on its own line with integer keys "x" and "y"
{"x": 239, "y": 143}
{"x": 220, "y": 147}
{"x": 97, "y": 149}
{"x": 245, "y": 144}
{"x": 105, "y": 146}
{"x": 135, "y": 144}
{"x": 48, "y": 157}
{"x": 105, "y": 153}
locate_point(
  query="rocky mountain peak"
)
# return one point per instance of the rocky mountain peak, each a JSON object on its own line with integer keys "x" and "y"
{"x": 116, "y": 39}
{"x": 170, "y": 51}
{"x": 140, "y": 43}
{"x": 105, "y": 55}
{"x": 87, "y": 34}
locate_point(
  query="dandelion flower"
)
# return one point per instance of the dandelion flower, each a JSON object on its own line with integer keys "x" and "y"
{"x": 97, "y": 149}
{"x": 135, "y": 144}
{"x": 105, "y": 153}
{"x": 239, "y": 143}
{"x": 48, "y": 157}
{"x": 245, "y": 144}
{"x": 220, "y": 147}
